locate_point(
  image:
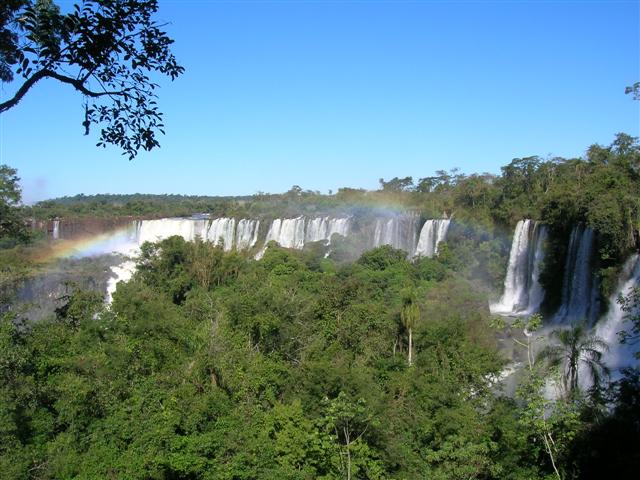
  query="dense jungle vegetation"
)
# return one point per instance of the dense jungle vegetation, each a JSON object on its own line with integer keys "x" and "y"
{"x": 213, "y": 365}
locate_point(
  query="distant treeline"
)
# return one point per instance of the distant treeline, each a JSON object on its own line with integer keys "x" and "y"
{"x": 136, "y": 204}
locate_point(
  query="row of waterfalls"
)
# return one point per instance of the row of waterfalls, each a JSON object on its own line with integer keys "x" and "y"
{"x": 401, "y": 231}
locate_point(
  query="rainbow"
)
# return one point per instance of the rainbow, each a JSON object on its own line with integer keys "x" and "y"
{"x": 121, "y": 240}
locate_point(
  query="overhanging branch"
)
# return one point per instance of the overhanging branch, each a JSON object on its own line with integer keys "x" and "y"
{"x": 77, "y": 83}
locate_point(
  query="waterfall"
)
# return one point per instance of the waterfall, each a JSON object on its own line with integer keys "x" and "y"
{"x": 287, "y": 232}
{"x": 386, "y": 232}
{"x": 122, "y": 273}
{"x": 620, "y": 355}
{"x": 338, "y": 225}
{"x": 536, "y": 292}
{"x": 433, "y": 232}
{"x": 322, "y": 228}
{"x": 222, "y": 231}
{"x": 156, "y": 230}
{"x": 295, "y": 232}
{"x": 398, "y": 231}
{"x": 579, "y": 288}
{"x": 56, "y": 230}
{"x": 247, "y": 234}
{"x": 523, "y": 294}
{"x": 316, "y": 229}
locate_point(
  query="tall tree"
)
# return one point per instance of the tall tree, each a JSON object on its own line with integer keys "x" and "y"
{"x": 12, "y": 226}
{"x": 410, "y": 315}
{"x": 104, "y": 49}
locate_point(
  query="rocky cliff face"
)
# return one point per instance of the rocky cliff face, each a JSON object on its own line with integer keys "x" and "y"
{"x": 74, "y": 228}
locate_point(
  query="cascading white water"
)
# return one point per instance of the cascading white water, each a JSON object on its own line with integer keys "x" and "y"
{"x": 56, "y": 230}
{"x": 320, "y": 229}
{"x": 579, "y": 288}
{"x": 619, "y": 355}
{"x": 316, "y": 229}
{"x": 398, "y": 231}
{"x": 386, "y": 232}
{"x": 523, "y": 293}
{"x": 536, "y": 292}
{"x": 247, "y": 234}
{"x": 156, "y": 230}
{"x": 433, "y": 232}
{"x": 122, "y": 273}
{"x": 340, "y": 226}
{"x": 222, "y": 231}
{"x": 295, "y": 232}
{"x": 287, "y": 232}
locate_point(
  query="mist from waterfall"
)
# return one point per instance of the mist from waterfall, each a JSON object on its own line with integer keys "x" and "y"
{"x": 433, "y": 232}
{"x": 620, "y": 355}
{"x": 523, "y": 293}
{"x": 322, "y": 228}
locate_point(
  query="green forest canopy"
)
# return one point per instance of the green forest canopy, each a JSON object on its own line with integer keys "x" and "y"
{"x": 213, "y": 365}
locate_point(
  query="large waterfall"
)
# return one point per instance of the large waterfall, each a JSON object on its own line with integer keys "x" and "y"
{"x": 579, "y": 287}
{"x": 433, "y": 232}
{"x": 287, "y": 232}
{"x": 294, "y": 232}
{"x": 247, "y": 234}
{"x": 56, "y": 230}
{"x": 399, "y": 231}
{"x": 222, "y": 231}
{"x": 156, "y": 230}
{"x": 522, "y": 291}
{"x": 322, "y": 228}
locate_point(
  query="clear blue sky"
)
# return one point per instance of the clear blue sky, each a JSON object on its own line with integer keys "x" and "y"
{"x": 326, "y": 94}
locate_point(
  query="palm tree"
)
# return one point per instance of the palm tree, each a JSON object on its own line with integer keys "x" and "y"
{"x": 575, "y": 347}
{"x": 409, "y": 315}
